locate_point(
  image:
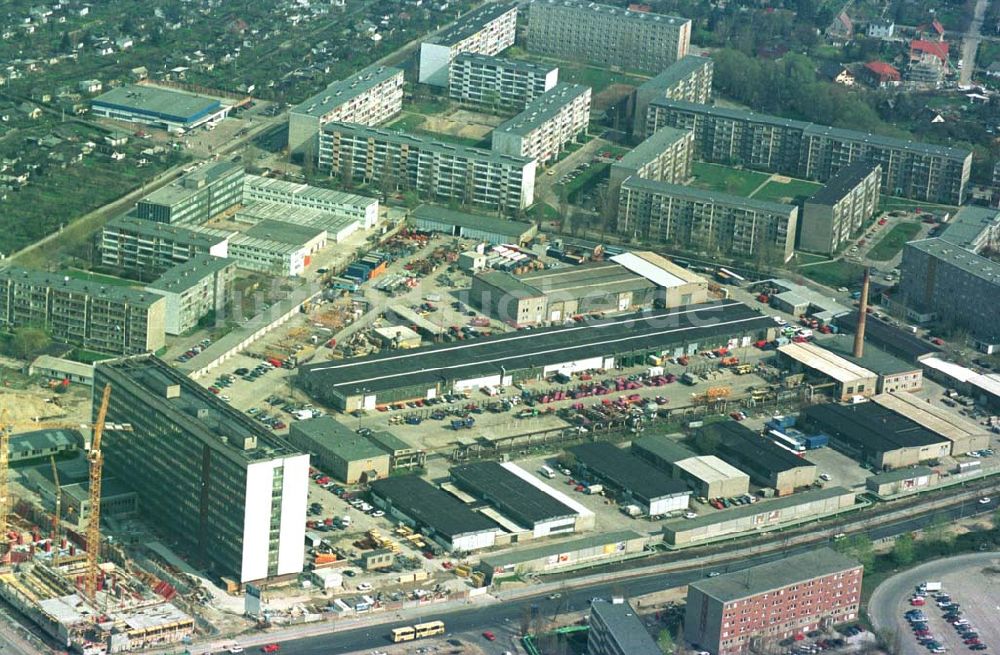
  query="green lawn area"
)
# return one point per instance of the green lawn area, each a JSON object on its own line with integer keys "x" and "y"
{"x": 892, "y": 203}
{"x": 892, "y": 243}
{"x": 787, "y": 192}
{"x": 713, "y": 177}
{"x": 407, "y": 122}
{"x": 586, "y": 179}
{"x": 109, "y": 280}
{"x": 835, "y": 274}
{"x": 575, "y": 73}
{"x": 544, "y": 212}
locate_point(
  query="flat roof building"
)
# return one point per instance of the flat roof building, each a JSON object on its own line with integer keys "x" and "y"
{"x": 736, "y": 612}
{"x": 911, "y": 169}
{"x": 825, "y": 369}
{"x": 547, "y": 124}
{"x": 965, "y": 435}
{"x": 890, "y": 484}
{"x": 563, "y": 554}
{"x": 768, "y": 464}
{"x": 691, "y": 218}
{"x": 146, "y": 249}
{"x": 105, "y": 318}
{"x": 371, "y": 96}
{"x": 207, "y": 191}
{"x": 890, "y": 338}
{"x": 894, "y": 374}
{"x": 973, "y": 228}
{"x": 710, "y": 477}
{"x": 647, "y": 486}
{"x": 530, "y": 503}
{"x": 985, "y": 388}
{"x": 665, "y": 156}
{"x": 401, "y": 454}
{"x": 340, "y": 451}
{"x": 232, "y": 494}
{"x": 480, "y": 227}
{"x": 661, "y": 450}
{"x": 434, "y": 169}
{"x": 498, "y": 84}
{"x": 340, "y": 204}
{"x": 169, "y": 109}
{"x": 689, "y": 78}
{"x": 42, "y": 444}
{"x": 836, "y": 213}
{"x": 798, "y": 299}
{"x": 616, "y": 629}
{"x": 488, "y": 30}
{"x": 435, "y": 513}
{"x": 57, "y": 368}
{"x": 277, "y": 248}
{"x": 195, "y": 289}
{"x": 876, "y": 435}
{"x": 575, "y": 30}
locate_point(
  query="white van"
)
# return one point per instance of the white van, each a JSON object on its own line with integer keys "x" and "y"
{"x": 546, "y": 472}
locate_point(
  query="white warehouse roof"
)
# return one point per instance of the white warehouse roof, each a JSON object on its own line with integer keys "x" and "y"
{"x": 709, "y": 469}
{"x": 826, "y": 362}
{"x": 658, "y": 270}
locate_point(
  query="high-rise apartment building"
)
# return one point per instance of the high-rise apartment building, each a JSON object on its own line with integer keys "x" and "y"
{"x": 616, "y": 629}
{"x": 546, "y": 125}
{"x": 910, "y": 169}
{"x": 207, "y": 191}
{"x": 577, "y": 30}
{"x": 690, "y": 218}
{"x": 104, "y": 318}
{"x": 752, "y": 610}
{"x": 201, "y": 286}
{"x": 834, "y": 214}
{"x": 689, "y": 79}
{"x": 666, "y": 156}
{"x": 371, "y": 96}
{"x": 498, "y": 84}
{"x": 230, "y": 493}
{"x": 146, "y": 249}
{"x": 488, "y": 30}
{"x": 435, "y": 170}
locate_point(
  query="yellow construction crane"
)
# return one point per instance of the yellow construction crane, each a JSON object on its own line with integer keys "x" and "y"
{"x": 58, "y": 513}
{"x": 94, "y": 521}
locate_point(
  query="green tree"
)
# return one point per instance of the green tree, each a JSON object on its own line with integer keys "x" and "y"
{"x": 29, "y": 340}
{"x": 859, "y": 547}
{"x": 903, "y": 551}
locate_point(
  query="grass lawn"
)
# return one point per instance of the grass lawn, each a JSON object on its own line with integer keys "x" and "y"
{"x": 544, "y": 212}
{"x": 892, "y": 243}
{"x": 713, "y": 177}
{"x": 109, "y": 280}
{"x": 835, "y": 274}
{"x": 407, "y": 122}
{"x": 788, "y": 192}
{"x": 892, "y": 203}
{"x": 586, "y": 179}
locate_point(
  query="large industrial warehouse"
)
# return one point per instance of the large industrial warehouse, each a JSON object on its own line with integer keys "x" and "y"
{"x": 650, "y": 488}
{"x": 365, "y": 382}
{"x": 519, "y": 496}
{"x": 768, "y": 464}
{"x": 707, "y": 476}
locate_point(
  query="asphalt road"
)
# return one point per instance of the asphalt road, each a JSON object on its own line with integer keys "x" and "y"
{"x": 495, "y": 616}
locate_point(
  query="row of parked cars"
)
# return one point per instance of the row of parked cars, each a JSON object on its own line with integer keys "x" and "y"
{"x": 195, "y": 350}
{"x": 723, "y": 503}
{"x": 951, "y": 613}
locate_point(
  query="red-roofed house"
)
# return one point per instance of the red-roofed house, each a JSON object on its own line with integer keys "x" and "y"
{"x": 928, "y": 62}
{"x": 934, "y": 30}
{"x": 841, "y": 29}
{"x": 881, "y": 74}
{"x": 920, "y": 47}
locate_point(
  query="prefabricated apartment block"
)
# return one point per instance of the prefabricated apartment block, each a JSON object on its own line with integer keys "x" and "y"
{"x": 666, "y": 156}
{"x": 227, "y": 490}
{"x": 689, "y": 78}
{"x": 371, "y": 96}
{"x": 201, "y": 286}
{"x": 832, "y": 216}
{"x": 498, "y": 84}
{"x": 434, "y": 169}
{"x": 608, "y": 36}
{"x": 488, "y": 30}
{"x": 146, "y": 249}
{"x": 921, "y": 171}
{"x": 706, "y": 220}
{"x": 547, "y": 124}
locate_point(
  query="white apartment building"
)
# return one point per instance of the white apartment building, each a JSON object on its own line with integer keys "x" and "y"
{"x": 199, "y": 286}
{"x": 496, "y": 83}
{"x": 546, "y": 125}
{"x": 488, "y": 30}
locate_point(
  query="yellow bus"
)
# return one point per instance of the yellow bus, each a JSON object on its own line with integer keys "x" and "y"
{"x": 429, "y": 629}
{"x": 406, "y": 633}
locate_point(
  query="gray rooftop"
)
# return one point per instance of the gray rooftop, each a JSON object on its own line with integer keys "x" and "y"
{"x": 898, "y": 475}
{"x": 177, "y": 234}
{"x": 843, "y": 182}
{"x": 675, "y": 72}
{"x": 970, "y": 224}
{"x": 389, "y": 442}
{"x": 520, "y": 555}
{"x": 543, "y": 108}
{"x": 776, "y": 575}
{"x": 44, "y": 439}
{"x": 626, "y": 628}
{"x": 872, "y": 358}
{"x": 176, "y": 105}
{"x": 661, "y": 140}
{"x": 288, "y": 233}
{"x": 510, "y": 284}
{"x": 341, "y": 91}
{"x": 472, "y": 22}
{"x": 965, "y": 260}
{"x": 434, "y": 213}
{"x": 501, "y": 62}
{"x": 194, "y": 182}
{"x": 702, "y": 195}
{"x": 663, "y": 447}
{"x": 328, "y": 433}
{"x": 58, "y": 281}
{"x": 583, "y": 5}
{"x": 744, "y": 511}
{"x": 186, "y": 275}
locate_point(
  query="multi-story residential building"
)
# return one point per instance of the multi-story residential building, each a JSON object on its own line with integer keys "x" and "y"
{"x": 546, "y": 125}
{"x": 943, "y": 281}
{"x": 752, "y": 610}
{"x": 690, "y": 218}
{"x": 201, "y": 286}
{"x": 291, "y": 194}
{"x": 435, "y": 170}
{"x": 488, "y": 30}
{"x": 369, "y": 97}
{"x": 835, "y": 213}
{"x": 145, "y": 249}
{"x": 104, "y": 318}
{"x": 230, "y": 493}
{"x": 689, "y": 79}
{"x": 665, "y": 156}
{"x": 498, "y": 84}
{"x": 616, "y": 629}
{"x": 196, "y": 197}
{"x": 576, "y": 30}
{"x": 277, "y": 248}
{"x": 974, "y": 228}
{"x": 921, "y": 171}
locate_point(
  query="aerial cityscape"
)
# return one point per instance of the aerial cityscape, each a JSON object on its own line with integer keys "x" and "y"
{"x": 534, "y": 327}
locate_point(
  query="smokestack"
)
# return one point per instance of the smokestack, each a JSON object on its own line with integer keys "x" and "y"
{"x": 859, "y": 334}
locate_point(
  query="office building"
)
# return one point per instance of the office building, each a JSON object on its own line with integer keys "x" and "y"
{"x": 497, "y": 84}
{"x": 921, "y": 171}
{"x": 689, "y": 79}
{"x": 752, "y": 610}
{"x": 665, "y": 156}
{"x": 942, "y": 281}
{"x": 340, "y": 204}
{"x": 435, "y": 170}
{"x": 108, "y": 319}
{"x": 277, "y": 248}
{"x": 198, "y": 288}
{"x": 478, "y": 227}
{"x": 616, "y": 629}
{"x": 832, "y": 216}
{"x": 768, "y": 464}
{"x": 193, "y": 199}
{"x": 608, "y": 36}
{"x": 547, "y": 124}
{"x": 169, "y": 109}
{"x": 224, "y": 488}
{"x": 371, "y": 96}
{"x": 146, "y": 249}
{"x": 694, "y": 219}
{"x": 488, "y": 30}
{"x": 826, "y": 371}
{"x": 340, "y": 451}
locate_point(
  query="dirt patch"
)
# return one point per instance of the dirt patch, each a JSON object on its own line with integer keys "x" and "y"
{"x": 609, "y": 96}
{"x": 24, "y": 406}
{"x": 475, "y": 117}
{"x": 454, "y": 127}
{"x": 780, "y": 179}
